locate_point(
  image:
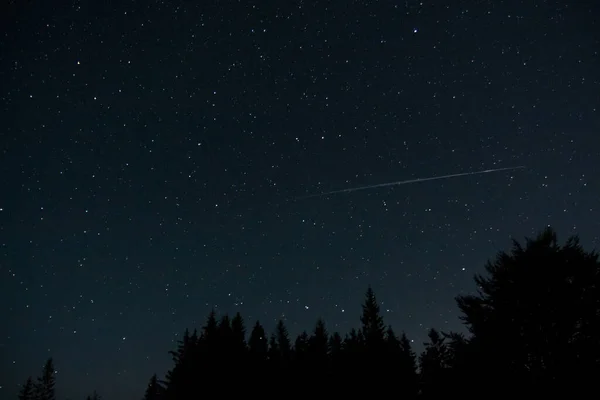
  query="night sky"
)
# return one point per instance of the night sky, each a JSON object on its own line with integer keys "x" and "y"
{"x": 152, "y": 153}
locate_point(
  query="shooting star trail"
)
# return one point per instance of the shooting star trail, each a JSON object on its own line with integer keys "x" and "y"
{"x": 416, "y": 180}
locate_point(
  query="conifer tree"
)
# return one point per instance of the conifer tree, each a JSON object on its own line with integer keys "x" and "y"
{"x": 27, "y": 390}
{"x": 433, "y": 363}
{"x": 258, "y": 344}
{"x": 238, "y": 333}
{"x": 408, "y": 369}
{"x": 94, "y": 396}
{"x": 224, "y": 341}
{"x": 179, "y": 377}
{"x": 45, "y": 387}
{"x": 283, "y": 341}
{"x": 274, "y": 353}
{"x": 335, "y": 344}
{"x": 318, "y": 346}
{"x": 154, "y": 390}
{"x": 392, "y": 343}
{"x": 301, "y": 346}
{"x": 210, "y": 329}
{"x": 373, "y": 327}
{"x": 336, "y": 355}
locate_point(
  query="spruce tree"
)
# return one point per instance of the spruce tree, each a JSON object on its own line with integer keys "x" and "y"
{"x": 318, "y": 346}
{"x": 335, "y": 344}
{"x": 408, "y": 368}
{"x": 433, "y": 364}
{"x": 45, "y": 387}
{"x": 283, "y": 341}
{"x": 238, "y": 333}
{"x": 373, "y": 327}
{"x": 301, "y": 346}
{"x": 27, "y": 390}
{"x": 154, "y": 390}
{"x": 258, "y": 344}
{"x": 210, "y": 329}
{"x": 274, "y": 354}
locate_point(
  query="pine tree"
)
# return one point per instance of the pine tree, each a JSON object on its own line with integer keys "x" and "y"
{"x": 27, "y": 390}
{"x": 408, "y": 369}
{"x": 45, "y": 387}
{"x": 94, "y": 396}
{"x": 336, "y": 355}
{"x": 274, "y": 354}
{"x": 210, "y": 329}
{"x": 301, "y": 346}
{"x": 434, "y": 364}
{"x": 154, "y": 391}
{"x": 373, "y": 327}
{"x": 392, "y": 343}
{"x": 258, "y": 344}
{"x": 335, "y": 344}
{"x": 283, "y": 341}
{"x": 318, "y": 346}
{"x": 180, "y": 377}
{"x": 224, "y": 341}
{"x": 238, "y": 333}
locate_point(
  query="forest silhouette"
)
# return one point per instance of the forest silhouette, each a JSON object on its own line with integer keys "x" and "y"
{"x": 533, "y": 329}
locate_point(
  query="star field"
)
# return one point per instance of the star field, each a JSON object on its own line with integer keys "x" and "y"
{"x": 152, "y": 152}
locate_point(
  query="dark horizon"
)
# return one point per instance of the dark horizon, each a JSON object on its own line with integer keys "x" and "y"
{"x": 533, "y": 322}
{"x": 149, "y": 152}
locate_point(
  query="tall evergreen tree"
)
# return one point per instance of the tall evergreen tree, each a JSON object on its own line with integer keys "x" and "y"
{"x": 224, "y": 341}
{"x": 27, "y": 390}
{"x": 301, "y": 346}
{"x": 274, "y": 352}
{"x": 335, "y": 345}
{"x": 238, "y": 334}
{"x": 258, "y": 344}
{"x": 179, "y": 378}
{"x": 392, "y": 343}
{"x": 210, "y": 329}
{"x": 154, "y": 391}
{"x": 283, "y": 341}
{"x": 373, "y": 327}
{"x": 433, "y": 363}
{"x": 408, "y": 369}
{"x": 45, "y": 387}
{"x": 94, "y": 396}
{"x": 318, "y": 347}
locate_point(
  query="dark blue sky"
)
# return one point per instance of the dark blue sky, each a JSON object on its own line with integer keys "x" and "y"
{"x": 149, "y": 152}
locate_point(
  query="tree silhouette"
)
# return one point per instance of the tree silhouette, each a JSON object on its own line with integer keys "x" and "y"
{"x": 94, "y": 396}
{"x": 318, "y": 344}
{"x": 434, "y": 363}
{"x": 318, "y": 353}
{"x": 536, "y": 317}
{"x": 283, "y": 341}
{"x": 179, "y": 378}
{"x": 258, "y": 344}
{"x": 301, "y": 348}
{"x": 238, "y": 334}
{"x": 534, "y": 327}
{"x": 274, "y": 356}
{"x": 44, "y": 388}
{"x": 373, "y": 327}
{"x": 408, "y": 369}
{"x": 27, "y": 390}
{"x": 154, "y": 391}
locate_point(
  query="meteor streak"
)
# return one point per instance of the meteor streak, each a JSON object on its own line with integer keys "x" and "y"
{"x": 433, "y": 178}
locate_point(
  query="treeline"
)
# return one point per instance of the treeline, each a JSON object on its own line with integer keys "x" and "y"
{"x": 534, "y": 329}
